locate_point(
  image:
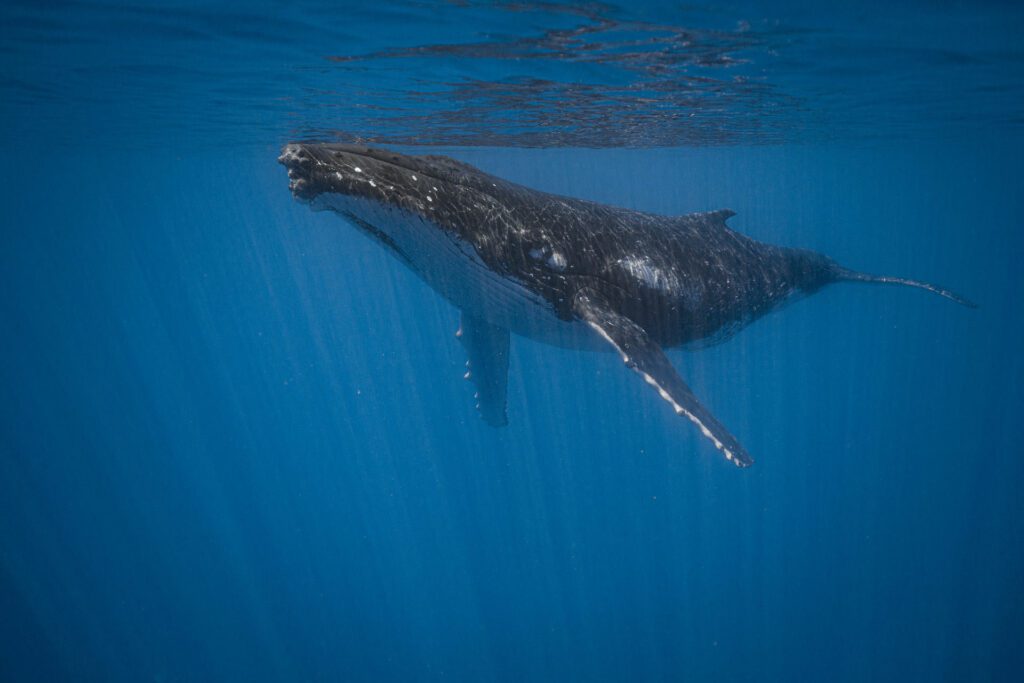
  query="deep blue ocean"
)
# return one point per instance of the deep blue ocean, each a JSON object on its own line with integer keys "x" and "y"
{"x": 235, "y": 441}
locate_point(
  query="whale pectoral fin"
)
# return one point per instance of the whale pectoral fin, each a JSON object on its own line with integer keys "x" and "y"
{"x": 644, "y": 356}
{"x": 487, "y": 366}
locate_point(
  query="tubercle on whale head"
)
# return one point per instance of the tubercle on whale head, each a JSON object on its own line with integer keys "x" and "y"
{"x": 313, "y": 170}
{"x": 305, "y": 168}
{"x": 363, "y": 182}
{"x": 390, "y": 177}
{"x": 368, "y": 183}
{"x": 348, "y": 170}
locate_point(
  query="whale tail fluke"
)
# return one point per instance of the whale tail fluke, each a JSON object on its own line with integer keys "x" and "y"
{"x": 844, "y": 274}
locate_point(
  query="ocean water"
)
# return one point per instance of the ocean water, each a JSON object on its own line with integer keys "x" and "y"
{"x": 235, "y": 444}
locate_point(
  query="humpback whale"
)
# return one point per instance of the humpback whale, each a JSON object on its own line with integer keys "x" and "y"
{"x": 564, "y": 271}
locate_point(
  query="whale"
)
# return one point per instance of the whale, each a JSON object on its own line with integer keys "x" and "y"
{"x": 564, "y": 271}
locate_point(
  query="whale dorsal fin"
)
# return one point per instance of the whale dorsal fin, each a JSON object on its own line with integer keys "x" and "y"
{"x": 486, "y": 366}
{"x": 717, "y": 217}
{"x": 703, "y": 220}
{"x": 643, "y": 355}
{"x": 721, "y": 215}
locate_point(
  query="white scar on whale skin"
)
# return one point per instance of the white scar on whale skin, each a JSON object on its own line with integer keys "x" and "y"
{"x": 644, "y": 270}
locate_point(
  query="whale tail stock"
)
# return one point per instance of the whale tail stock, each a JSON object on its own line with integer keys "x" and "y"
{"x": 841, "y": 274}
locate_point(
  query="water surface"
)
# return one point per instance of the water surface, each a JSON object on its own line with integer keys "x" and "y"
{"x": 234, "y": 441}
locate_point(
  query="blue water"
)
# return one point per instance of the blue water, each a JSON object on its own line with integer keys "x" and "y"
{"x": 235, "y": 443}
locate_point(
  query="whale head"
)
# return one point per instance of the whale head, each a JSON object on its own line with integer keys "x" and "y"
{"x": 350, "y": 177}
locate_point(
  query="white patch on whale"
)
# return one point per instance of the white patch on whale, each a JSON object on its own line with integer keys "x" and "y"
{"x": 557, "y": 262}
{"x": 643, "y": 269}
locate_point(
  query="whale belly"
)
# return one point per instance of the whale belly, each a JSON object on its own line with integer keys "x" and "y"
{"x": 452, "y": 268}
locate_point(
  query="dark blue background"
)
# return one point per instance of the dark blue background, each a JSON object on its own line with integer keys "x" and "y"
{"x": 235, "y": 443}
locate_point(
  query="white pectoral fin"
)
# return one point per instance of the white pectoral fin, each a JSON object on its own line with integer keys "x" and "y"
{"x": 646, "y": 358}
